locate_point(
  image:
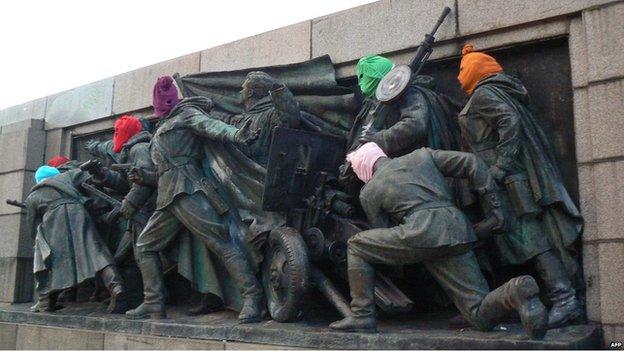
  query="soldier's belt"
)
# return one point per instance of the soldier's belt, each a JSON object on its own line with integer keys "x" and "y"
{"x": 177, "y": 162}
{"x": 426, "y": 206}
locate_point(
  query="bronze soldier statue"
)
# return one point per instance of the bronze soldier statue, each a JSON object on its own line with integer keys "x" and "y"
{"x": 68, "y": 248}
{"x": 503, "y": 132}
{"x": 268, "y": 104}
{"x": 188, "y": 198}
{"x": 131, "y": 146}
{"x": 411, "y": 208}
{"x": 420, "y": 117}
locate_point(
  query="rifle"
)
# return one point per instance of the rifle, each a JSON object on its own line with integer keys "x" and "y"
{"x": 91, "y": 166}
{"x": 16, "y": 204}
{"x": 393, "y": 84}
{"x": 138, "y": 217}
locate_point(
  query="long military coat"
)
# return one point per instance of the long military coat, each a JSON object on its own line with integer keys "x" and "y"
{"x": 68, "y": 248}
{"x": 502, "y": 131}
{"x": 411, "y": 207}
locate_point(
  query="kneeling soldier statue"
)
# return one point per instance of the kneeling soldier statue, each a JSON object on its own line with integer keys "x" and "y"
{"x": 409, "y": 204}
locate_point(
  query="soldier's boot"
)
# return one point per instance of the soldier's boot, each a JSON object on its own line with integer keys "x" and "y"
{"x": 67, "y": 295}
{"x": 45, "y": 303}
{"x": 114, "y": 283}
{"x": 520, "y": 294}
{"x": 153, "y": 288}
{"x": 254, "y": 306}
{"x": 208, "y": 303}
{"x": 362, "y": 286}
{"x": 566, "y": 308}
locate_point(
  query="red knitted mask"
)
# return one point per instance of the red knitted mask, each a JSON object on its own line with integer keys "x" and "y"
{"x": 125, "y": 128}
{"x": 57, "y": 161}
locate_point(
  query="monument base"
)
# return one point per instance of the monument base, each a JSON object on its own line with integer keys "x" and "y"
{"x": 87, "y": 326}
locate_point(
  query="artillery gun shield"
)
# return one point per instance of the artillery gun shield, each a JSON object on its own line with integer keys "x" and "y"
{"x": 393, "y": 84}
{"x": 296, "y": 159}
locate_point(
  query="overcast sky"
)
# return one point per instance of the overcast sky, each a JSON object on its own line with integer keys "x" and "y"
{"x": 53, "y": 45}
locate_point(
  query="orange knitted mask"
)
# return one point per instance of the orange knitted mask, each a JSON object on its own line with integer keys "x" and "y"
{"x": 475, "y": 66}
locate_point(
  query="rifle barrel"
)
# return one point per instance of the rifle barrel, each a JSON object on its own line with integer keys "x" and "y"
{"x": 445, "y": 13}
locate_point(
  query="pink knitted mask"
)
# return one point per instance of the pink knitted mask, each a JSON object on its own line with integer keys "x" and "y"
{"x": 363, "y": 160}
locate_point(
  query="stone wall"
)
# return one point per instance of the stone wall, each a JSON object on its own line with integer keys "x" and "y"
{"x": 393, "y": 27}
{"x": 22, "y": 145}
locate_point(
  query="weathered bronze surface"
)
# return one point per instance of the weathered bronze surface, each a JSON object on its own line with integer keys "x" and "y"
{"x": 246, "y": 199}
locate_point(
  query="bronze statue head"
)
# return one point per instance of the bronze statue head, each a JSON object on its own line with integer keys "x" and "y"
{"x": 255, "y": 87}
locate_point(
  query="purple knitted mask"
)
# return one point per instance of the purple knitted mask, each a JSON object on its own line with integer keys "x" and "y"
{"x": 165, "y": 96}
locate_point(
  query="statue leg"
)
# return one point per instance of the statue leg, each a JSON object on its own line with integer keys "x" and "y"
{"x": 114, "y": 283}
{"x": 565, "y": 306}
{"x": 45, "y": 303}
{"x": 161, "y": 228}
{"x": 362, "y": 287}
{"x": 462, "y": 280}
{"x": 196, "y": 214}
{"x": 208, "y": 303}
{"x": 375, "y": 246}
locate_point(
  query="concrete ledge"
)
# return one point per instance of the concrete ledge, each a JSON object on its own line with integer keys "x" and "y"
{"x": 133, "y": 90}
{"x": 281, "y": 46}
{"x": 378, "y": 28}
{"x": 484, "y": 15}
{"x": 429, "y": 331}
{"x": 79, "y": 105}
{"x": 30, "y": 110}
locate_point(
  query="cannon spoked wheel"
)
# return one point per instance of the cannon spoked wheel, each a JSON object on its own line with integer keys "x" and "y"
{"x": 285, "y": 274}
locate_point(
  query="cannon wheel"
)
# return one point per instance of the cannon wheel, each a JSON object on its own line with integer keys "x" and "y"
{"x": 285, "y": 274}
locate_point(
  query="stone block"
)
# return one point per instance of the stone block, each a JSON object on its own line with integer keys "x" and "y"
{"x": 147, "y": 342}
{"x": 16, "y": 279}
{"x": 8, "y": 334}
{"x": 15, "y": 239}
{"x": 609, "y": 197}
{"x": 36, "y": 337}
{"x": 133, "y": 90}
{"x": 54, "y": 143}
{"x": 578, "y": 52}
{"x": 606, "y": 103}
{"x": 30, "y": 110}
{"x": 611, "y": 261}
{"x": 613, "y": 333}
{"x": 15, "y": 186}
{"x": 26, "y": 124}
{"x": 605, "y": 41}
{"x": 234, "y": 345}
{"x": 587, "y": 199}
{"x": 285, "y": 45}
{"x": 591, "y": 273}
{"x": 78, "y": 105}
{"x": 582, "y": 125}
{"x": 378, "y": 28}
{"x": 477, "y": 16}
{"x": 21, "y": 149}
